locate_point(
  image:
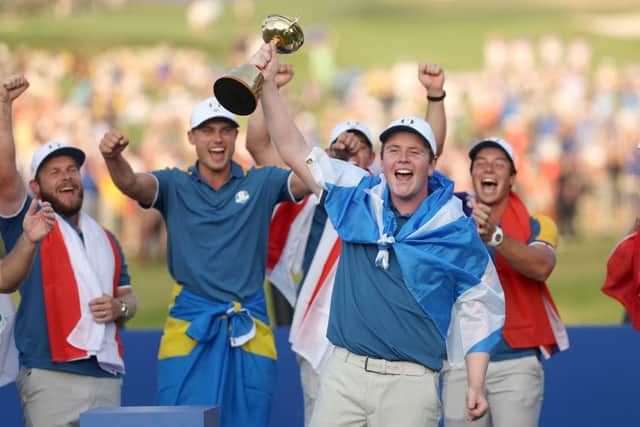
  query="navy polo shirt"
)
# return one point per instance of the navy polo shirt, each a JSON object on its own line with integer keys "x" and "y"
{"x": 374, "y": 314}
{"x": 217, "y": 239}
{"x": 32, "y": 339}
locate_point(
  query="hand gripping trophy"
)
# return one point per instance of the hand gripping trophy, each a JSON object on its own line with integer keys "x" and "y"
{"x": 239, "y": 90}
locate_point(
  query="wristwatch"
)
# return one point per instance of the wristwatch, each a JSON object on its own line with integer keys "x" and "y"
{"x": 496, "y": 238}
{"x": 124, "y": 308}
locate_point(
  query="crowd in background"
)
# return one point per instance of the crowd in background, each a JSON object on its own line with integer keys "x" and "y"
{"x": 574, "y": 123}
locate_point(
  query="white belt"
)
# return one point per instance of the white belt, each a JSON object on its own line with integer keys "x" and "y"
{"x": 382, "y": 366}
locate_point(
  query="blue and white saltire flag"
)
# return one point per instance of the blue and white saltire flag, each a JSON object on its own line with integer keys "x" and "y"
{"x": 8, "y": 352}
{"x": 444, "y": 262}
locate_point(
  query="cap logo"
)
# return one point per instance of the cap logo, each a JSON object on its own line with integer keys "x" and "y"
{"x": 242, "y": 197}
{"x": 406, "y": 121}
{"x": 214, "y": 106}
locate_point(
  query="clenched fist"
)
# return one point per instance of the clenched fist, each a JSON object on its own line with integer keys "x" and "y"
{"x": 284, "y": 75}
{"x": 431, "y": 76}
{"x": 113, "y": 144}
{"x": 266, "y": 60}
{"x": 12, "y": 87}
{"x": 344, "y": 146}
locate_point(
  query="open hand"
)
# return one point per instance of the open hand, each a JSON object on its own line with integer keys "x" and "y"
{"x": 37, "y": 225}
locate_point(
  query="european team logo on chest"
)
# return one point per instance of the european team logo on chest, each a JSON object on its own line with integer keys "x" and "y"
{"x": 242, "y": 197}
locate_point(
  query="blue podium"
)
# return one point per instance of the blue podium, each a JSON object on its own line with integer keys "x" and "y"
{"x": 152, "y": 416}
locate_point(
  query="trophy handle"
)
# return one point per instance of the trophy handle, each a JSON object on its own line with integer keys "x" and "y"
{"x": 240, "y": 90}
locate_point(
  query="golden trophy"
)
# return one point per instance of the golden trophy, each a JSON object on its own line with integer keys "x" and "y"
{"x": 239, "y": 90}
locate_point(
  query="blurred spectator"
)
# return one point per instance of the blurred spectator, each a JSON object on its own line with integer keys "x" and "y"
{"x": 572, "y": 123}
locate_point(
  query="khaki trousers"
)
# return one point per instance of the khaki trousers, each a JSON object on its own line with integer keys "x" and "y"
{"x": 310, "y": 381}
{"x": 514, "y": 390}
{"x": 56, "y": 399}
{"x": 359, "y": 391}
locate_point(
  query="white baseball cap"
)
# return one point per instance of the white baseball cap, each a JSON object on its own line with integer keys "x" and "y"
{"x": 411, "y": 124}
{"x": 350, "y": 125}
{"x": 493, "y": 142}
{"x": 52, "y": 149}
{"x": 209, "y": 109}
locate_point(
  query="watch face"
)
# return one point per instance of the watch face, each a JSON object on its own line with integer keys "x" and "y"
{"x": 498, "y": 238}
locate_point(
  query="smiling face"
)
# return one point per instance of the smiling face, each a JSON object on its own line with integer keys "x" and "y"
{"x": 59, "y": 182}
{"x": 215, "y": 142}
{"x": 492, "y": 175}
{"x": 407, "y": 164}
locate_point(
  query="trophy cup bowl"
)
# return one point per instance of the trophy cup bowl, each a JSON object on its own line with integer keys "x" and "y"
{"x": 239, "y": 90}
{"x": 286, "y": 32}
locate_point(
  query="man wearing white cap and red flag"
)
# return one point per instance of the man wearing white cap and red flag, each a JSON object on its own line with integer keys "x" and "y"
{"x": 302, "y": 240}
{"x": 75, "y": 291}
{"x": 523, "y": 247}
{"x": 414, "y": 281}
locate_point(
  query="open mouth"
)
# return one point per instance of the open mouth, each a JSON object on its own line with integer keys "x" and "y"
{"x": 67, "y": 189}
{"x": 489, "y": 184}
{"x": 403, "y": 174}
{"x": 217, "y": 153}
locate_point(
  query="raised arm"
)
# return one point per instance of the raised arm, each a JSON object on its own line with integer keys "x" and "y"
{"x": 288, "y": 139}
{"x": 15, "y": 266}
{"x": 431, "y": 76}
{"x": 141, "y": 187}
{"x": 12, "y": 188}
{"x": 258, "y": 139}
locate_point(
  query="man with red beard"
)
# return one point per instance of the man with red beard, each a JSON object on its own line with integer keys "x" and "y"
{"x": 76, "y": 289}
{"x": 524, "y": 250}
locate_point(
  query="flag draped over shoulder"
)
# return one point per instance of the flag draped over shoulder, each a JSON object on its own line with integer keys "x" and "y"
{"x": 288, "y": 235}
{"x": 8, "y": 351}
{"x": 623, "y": 276}
{"x": 75, "y": 271}
{"x": 532, "y": 319}
{"x": 445, "y": 264}
{"x": 308, "y": 335}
